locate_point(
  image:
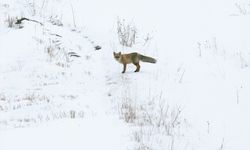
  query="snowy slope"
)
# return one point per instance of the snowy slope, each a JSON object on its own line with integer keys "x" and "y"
{"x": 195, "y": 97}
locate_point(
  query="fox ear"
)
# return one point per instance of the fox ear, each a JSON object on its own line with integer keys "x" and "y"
{"x": 120, "y": 53}
{"x": 114, "y": 53}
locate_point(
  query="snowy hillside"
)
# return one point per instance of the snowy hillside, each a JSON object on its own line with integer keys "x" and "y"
{"x": 61, "y": 88}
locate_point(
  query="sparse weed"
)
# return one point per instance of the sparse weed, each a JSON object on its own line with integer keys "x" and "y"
{"x": 242, "y": 8}
{"x": 55, "y": 20}
{"x": 57, "y": 53}
{"x": 128, "y": 111}
{"x": 11, "y": 22}
{"x": 32, "y": 7}
{"x": 208, "y": 47}
{"x": 155, "y": 119}
{"x": 26, "y": 120}
{"x": 126, "y": 33}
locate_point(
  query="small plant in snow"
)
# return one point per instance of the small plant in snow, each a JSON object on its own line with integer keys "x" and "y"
{"x": 55, "y": 20}
{"x": 243, "y": 61}
{"x": 207, "y": 46}
{"x": 243, "y": 9}
{"x": 128, "y": 111}
{"x": 57, "y": 53}
{"x": 126, "y": 33}
{"x": 11, "y": 22}
{"x": 32, "y": 7}
{"x": 147, "y": 39}
{"x": 154, "y": 118}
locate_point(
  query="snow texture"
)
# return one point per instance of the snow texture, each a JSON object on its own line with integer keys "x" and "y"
{"x": 57, "y": 91}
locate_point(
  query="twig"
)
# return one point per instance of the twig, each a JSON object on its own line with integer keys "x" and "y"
{"x": 208, "y": 127}
{"x": 55, "y": 35}
{"x": 19, "y": 21}
{"x": 73, "y": 54}
{"x": 199, "y": 47}
{"x": 180, "y": 81}
{"x": 222, "y": 145}
{"x": 98, "y": 47}
{"x": 73, "y": 14}
{"x": 172, "y": 143}
{"x": 176, "y": 117}
{"x": 237, "y": 96}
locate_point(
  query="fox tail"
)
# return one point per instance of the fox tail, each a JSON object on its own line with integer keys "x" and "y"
{"x": 147, "y": 59}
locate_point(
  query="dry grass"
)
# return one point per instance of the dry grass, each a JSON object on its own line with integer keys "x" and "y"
{"x": 57, "y": 53}
{"x": 153, "y": 119}
{"x": 11, "y": 22}
{"x": 126, "y": 33}
{"x": 56, "y": 20}
{"x": 30, "y": 120}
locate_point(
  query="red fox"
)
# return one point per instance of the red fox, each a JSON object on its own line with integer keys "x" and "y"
{"x": 132, "y": 58}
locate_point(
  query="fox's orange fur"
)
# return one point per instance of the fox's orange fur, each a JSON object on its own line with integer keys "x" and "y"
{"x": 134, "y": 58}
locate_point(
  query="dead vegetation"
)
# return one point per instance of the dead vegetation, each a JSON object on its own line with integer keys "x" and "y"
{"x": 126, "y": 33}
{"x": 153, "y": 119}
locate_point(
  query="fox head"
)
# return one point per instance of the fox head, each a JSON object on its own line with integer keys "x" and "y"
{"x": 117, "y": 55}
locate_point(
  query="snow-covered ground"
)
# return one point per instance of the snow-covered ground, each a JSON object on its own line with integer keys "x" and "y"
{"x": 197, "y": 95}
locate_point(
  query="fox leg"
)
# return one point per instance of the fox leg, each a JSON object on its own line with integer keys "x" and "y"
{"x": 124, "y": 68}
{"x": 137, "y": 67}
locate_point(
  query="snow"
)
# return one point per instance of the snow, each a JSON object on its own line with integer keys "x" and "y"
{"x": 71, "y": 135}
{"x": 195, "y": 97}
